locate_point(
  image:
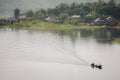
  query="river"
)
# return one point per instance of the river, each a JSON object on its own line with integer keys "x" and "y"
{"x": 59, "y": 54}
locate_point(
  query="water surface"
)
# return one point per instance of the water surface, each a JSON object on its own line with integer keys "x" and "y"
{"x": 59, "y": 55}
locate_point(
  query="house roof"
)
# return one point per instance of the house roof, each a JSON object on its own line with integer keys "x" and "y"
{"x": 22, "y": 17}
{"x": 98, "y": 19}
{"x": 47, "y": 18}
{"x": 76, "y": 16}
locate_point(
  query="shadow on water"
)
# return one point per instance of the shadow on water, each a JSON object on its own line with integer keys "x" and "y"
{"x": 68, "y": 33}
{"x": 104, "y": 36}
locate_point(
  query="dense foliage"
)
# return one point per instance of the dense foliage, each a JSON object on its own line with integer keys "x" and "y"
{"x": 16, "y": 13}
{"x": 90, "y": 10}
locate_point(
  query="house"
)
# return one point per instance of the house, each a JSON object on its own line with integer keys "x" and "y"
{"x": 47, "y": 19}
{"x": 22, "y": 18}
{"x": 88, "y": 15}
{"x": 98, "y": 22}
{"x": 76, "y": 16}
{"x": 2, "y": 21}
{"x": 67, "y": 20}
{"x": 110, "y": 22}
{"x": 9, "y": 20}
{"x": 54, "y": 20}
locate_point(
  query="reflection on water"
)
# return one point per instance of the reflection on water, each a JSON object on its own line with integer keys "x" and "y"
{"x": 100, "y": 35}
{"x": 59, "y": 54}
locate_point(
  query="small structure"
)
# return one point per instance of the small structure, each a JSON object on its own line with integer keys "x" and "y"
{"x": 76, "y": 16}
{"x": 54, "y": 20}
{"x": 9, "y": 20}
{"x": 22, "y": 18}
{"x": 88, "y": 15}
{"x": 110, "y": 22}
{"x": 98, "y": 22}
{"x": 47, "y": 19}
{"x": 67, "y": 20}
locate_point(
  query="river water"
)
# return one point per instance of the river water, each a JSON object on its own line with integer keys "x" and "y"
{"x": 59, "y": 54}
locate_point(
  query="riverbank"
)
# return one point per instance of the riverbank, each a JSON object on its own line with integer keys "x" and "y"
{"x": 47, "y": 25}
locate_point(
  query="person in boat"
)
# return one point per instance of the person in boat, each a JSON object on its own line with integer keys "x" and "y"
{"x": 99, "y": 66}
{"x": 96, "y": 66}
{"x": 93, "y": 65}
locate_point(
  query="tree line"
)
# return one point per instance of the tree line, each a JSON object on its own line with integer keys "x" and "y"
{"x": 91, "y": 10}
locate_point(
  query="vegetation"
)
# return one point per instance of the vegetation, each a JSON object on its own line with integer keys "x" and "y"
{"x": 89, "y": 10}
{"x": 117, "y": 41}
{"x": 16, "y": 13}
{"x": 29, "y": 13}
{"x": 35, "y": 24}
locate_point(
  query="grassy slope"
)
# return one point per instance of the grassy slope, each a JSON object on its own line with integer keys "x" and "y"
{"x": 46, "y": 25}
{"x": 117, "y": 41}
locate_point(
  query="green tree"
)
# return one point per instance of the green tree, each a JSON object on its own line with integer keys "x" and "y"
{"x": 100, "y": 9}
{"x": 63, "y": 17}
{"x": 85, "y": 9}
{"x": 30, "y": 13}
{"x": 73, "y": 8}
{"x": 63, "y": 8}
{"x": 16, "y": 13}
{"x": 112, "y": 2}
